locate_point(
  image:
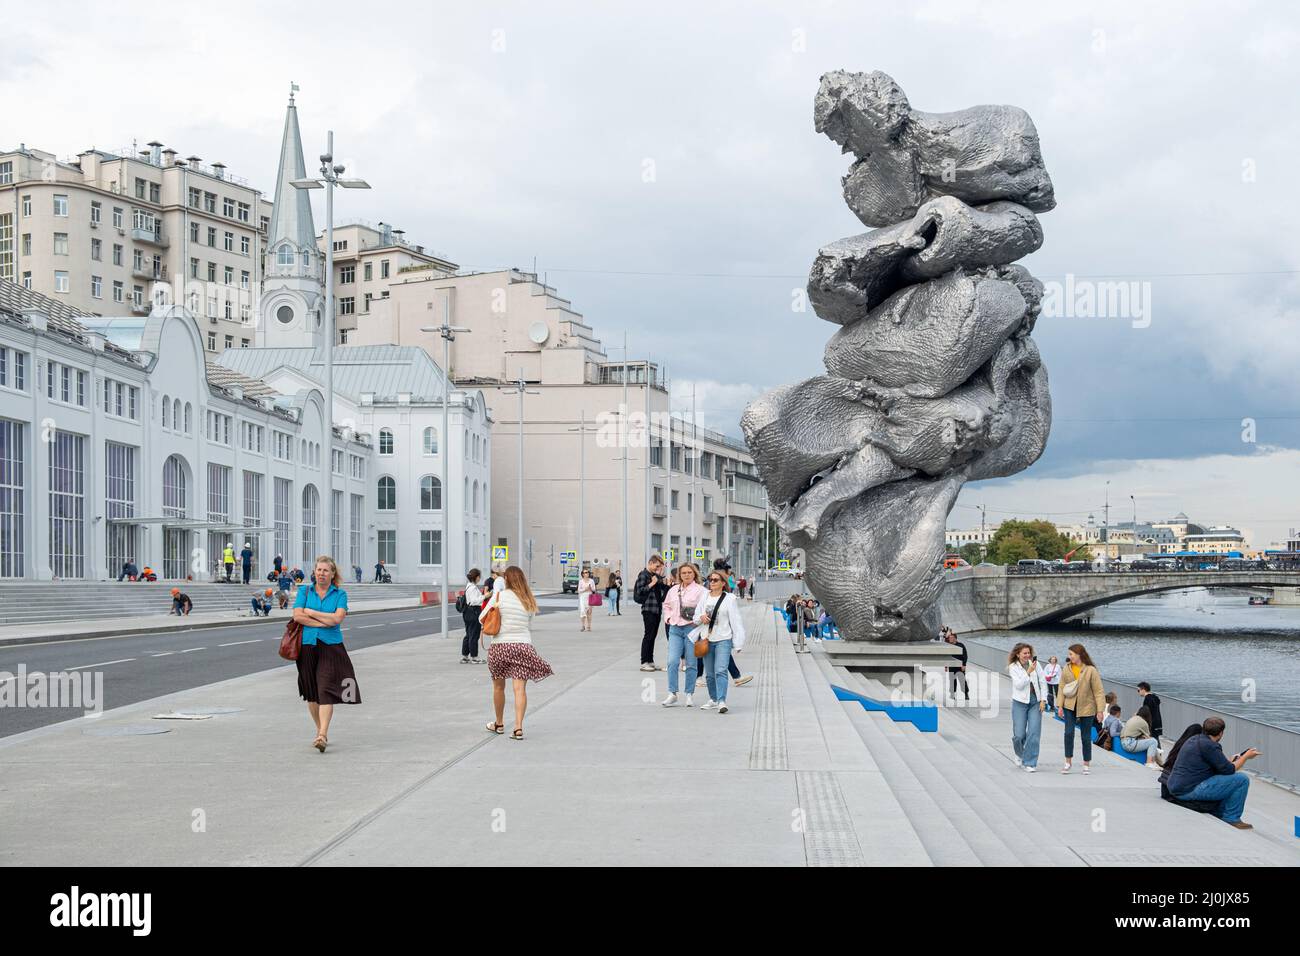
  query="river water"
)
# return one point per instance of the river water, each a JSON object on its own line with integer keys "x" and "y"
{"x": 1202, "y": 646}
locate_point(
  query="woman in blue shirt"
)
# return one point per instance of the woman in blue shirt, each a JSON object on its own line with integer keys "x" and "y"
{"x": 325, "y": 675}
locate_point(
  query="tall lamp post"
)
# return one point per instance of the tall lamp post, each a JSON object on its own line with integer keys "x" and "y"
{"x": 1135, "y": 522}
{"x": 448, "y": 333}
{"x": 521, "y": 391}
{"x": 331, "y": 175}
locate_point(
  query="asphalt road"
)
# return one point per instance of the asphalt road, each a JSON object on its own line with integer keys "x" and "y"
{"x": 138, "y": 667}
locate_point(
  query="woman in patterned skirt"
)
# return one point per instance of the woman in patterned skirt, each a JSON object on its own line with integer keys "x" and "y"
{"x": 325, "y": 675}
{"x": 511, "y": 655}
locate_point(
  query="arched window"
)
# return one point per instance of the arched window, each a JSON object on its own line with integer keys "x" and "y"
{"x": 167, "y": 412}
{"x": 387, "y": 495}
{"x": 189, "y": 413}
{"x": 385, "y": 441}
{"x": 284, "y": 256}
{"x": 430, "y": 494}
{"x": 475, "y": 508}
{"x": 175, "y": 494}
{"x": 176, "y": 414}
{"x": 306, "y": 259}
{"x": 310, "y": 511}
{"x": 431, "y": 441}
{"x": 464, "y": 496}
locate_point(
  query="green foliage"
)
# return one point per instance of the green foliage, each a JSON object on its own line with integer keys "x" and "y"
{"x": 971, "y": 553}
{"x": 1017, "y": 540}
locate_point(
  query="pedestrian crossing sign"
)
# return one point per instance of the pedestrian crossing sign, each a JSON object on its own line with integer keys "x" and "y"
{"x": 783, "y": 565}
{"x": 500, "y": 552}
{"x": 568, "y": 557}
{"x": 699, "y": 554}
{"x": 670, "y": 555}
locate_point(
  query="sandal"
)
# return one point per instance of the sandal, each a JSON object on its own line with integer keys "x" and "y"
{"x": 495, "y": 728}
{"x": 516, "y": 734}
{"x": 320, "y": 742}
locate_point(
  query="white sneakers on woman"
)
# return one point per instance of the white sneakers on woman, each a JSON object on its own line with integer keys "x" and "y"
{"x": 669, "y": 701}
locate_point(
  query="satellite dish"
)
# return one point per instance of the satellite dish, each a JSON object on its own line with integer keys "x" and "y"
{"x": 539, "y": 333}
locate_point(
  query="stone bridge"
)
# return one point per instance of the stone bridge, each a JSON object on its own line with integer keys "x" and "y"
{"x": 987, "y": 597}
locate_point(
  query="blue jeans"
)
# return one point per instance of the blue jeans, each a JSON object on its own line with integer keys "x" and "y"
{"x": 1085, "y": 733}
{"x": 679, "y": 645}
{"x": 732, "y": 669}
{"x": 715, "y": 669}
{"x": 1026, "y": 728}
{"x": 1228, "y": 790}
{"x": 1144, "y": 745}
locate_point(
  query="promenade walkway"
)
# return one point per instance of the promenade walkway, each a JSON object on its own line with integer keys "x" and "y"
{"x": 605, "y": 776}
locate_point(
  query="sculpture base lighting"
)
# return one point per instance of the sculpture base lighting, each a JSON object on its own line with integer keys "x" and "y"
{"x": 933, "y": 378}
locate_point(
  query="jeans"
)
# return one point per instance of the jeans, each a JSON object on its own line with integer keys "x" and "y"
{"x": 1085, "y": 734}
{"x": 260, "y": 607}
{"x": 179, "y": 607}
{"x": 732, "y": 669}
{"x": 1051, "y": 697}
{"x": 651, "y": 622}
{"x": 715, "y": 669}
{"x": 1144, "y": 745}
{"x": 680, "y": 645}
{"x": 1228, "y": 790}
{"x": 248, "y": 572}
{"x": 1026, "y": 728}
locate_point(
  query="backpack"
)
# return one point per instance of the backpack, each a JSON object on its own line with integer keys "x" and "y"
{"x": 461, "y": 605}
{"x": 1104, "y": 740}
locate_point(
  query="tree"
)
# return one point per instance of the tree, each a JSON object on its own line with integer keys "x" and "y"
{"x": 1012, "y": 547}
{"x": 1017, "y": 540}
{"x": 971, "y": 553}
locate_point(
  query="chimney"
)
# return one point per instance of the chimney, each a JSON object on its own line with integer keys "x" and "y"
{"x": 95, "y": 341}
{"x": 236, "y": 392}
{"x": 169, "y": 157}
{"x": 155, "y": 152}
{"x": 219, "y": 169}
{"x": 193, "y": 160}
{"x": 38, "y": 320}
{"x": 399, "y": 233}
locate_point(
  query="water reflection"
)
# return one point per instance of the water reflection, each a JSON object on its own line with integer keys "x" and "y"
{"x": 1202, "y": 646}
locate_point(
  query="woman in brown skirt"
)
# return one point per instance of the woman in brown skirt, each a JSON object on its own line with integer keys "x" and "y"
{"x": 511, "y": 655}
{"x": 325, "y": 675}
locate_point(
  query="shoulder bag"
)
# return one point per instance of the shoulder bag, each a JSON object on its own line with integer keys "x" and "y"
{"x": 702, "y": 643}
{"x": 291, "y": 641}
{"x": 491, "y": 622}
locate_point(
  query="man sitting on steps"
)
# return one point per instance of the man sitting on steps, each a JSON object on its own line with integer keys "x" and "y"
{"x": 1204, "y": 773}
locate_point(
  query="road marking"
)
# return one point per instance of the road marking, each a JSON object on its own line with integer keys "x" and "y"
{"x": 425, "y": 619}
{"x": 364, "y": 626}
{"x": 189, "y": 649}
{"x": 237, "y": 643}
{"x": 411, "y": 621}
{"x": 165, "y": 654}
{"x": 82, "y": 667}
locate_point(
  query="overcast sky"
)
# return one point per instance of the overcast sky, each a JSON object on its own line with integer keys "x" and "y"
{"x": 659, "y": 161}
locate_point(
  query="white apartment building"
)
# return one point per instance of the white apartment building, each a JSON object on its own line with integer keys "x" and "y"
{"x": 114, "y": 233}
{"x": 688, "y": 489}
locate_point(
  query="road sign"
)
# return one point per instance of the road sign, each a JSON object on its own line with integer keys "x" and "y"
{"x": 783, "y": 565}
{"x": 699, "y": 554}
{"x": 568, "y": 557}
{"x": 670, "y": 555}
{"x": 500, "y": 552}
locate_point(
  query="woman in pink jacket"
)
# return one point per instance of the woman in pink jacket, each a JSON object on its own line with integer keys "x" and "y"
{"x": 679, "y": 614}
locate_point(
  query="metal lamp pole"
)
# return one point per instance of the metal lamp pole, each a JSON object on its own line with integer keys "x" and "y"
{"x": 448, "y": 333}
{"x": 521, "y": 391}
{"x": 331, "y": 175}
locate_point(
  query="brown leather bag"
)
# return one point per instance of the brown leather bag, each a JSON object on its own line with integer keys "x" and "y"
{"x": 291, "y": 641}
{"x": 702, "y": 643}
{"x": 491, "y": 622}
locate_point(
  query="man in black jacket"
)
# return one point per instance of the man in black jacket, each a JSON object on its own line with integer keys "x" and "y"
{"x": 959, "y": 672}
{"x": 649, "y": 591}
{"x": 1152, "y": 703}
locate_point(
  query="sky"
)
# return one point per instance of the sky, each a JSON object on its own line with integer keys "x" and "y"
{"x": 658, "y": 162}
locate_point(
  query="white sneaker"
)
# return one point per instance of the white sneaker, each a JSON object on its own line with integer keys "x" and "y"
{"x": 711, "y": 705}
{"x": 647, "y": 667}
{"x": 722, "y": 707}
{"x": 744, "y": 679}
{"x": 683, "y": 667}
{"x": 688, "y": 701}
{"x": 1066, "y": 768}
{"x": 1019, "y": 762}
{"x": 669, "y": 700}
{"x": 1031, "y": 770}
{"x": 700, "y": 682}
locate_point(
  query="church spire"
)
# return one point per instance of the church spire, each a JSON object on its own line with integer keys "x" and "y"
{"x": 291, "y": 216}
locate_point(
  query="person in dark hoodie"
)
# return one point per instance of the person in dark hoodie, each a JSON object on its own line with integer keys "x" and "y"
{"x": 1202, "y": 772}
{"x": 1152, "y": 703}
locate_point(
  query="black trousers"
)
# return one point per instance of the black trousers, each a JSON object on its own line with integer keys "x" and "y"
{"x": 469, "y": 643}
{"x": 248, "y": 572}
{"x": 651, "y": 635}
{"x": 959, "y": 676}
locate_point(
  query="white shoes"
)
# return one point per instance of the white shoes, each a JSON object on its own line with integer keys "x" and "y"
{"x": 648, "y": 667}
{"x": 744, "y": 679}
{"x": 669, "y": 701}
{"x": 1066, "y": 768}
{"x": 688, "y": 700}
{"x": 1031, "y": 770}
{"x": 1019, "y": 762}
{"x": 700, "y": 682}
{"x": 722, "y": 707}
{"x": 711, "y": 705}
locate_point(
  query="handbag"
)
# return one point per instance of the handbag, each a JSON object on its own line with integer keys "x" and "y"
{"x": 291, "y": 641}
{"x": 491, "y": 621}
{"x": 593, "y": 599}
{"x": 702, "y": 643}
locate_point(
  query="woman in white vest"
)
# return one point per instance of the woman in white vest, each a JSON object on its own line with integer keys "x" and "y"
{"x": 511, "y": 655}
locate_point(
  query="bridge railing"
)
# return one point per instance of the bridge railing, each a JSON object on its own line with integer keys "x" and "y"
{"x": 1279, "y": 759}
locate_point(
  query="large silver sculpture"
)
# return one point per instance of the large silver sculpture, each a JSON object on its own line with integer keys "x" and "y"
{"x": 934, "y": 379}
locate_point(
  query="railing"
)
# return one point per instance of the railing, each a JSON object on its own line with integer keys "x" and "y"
{"x": 154, "y": 236}
{"x": 1279, "y": 759}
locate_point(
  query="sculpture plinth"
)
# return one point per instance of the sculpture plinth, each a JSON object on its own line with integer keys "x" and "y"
{"x": 934, "y": 379}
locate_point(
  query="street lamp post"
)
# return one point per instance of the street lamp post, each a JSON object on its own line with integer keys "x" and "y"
{"x": 521, "y": 391}
{"x": 448, "y": 333}
{"x": 331, "y": 175}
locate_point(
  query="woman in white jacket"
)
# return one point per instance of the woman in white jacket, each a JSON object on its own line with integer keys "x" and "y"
{"x": 1028, "y": 700}
{"x": 718, "y": 617}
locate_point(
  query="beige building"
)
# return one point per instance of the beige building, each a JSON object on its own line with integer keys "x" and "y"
{"x": 106, "y": 232}
{"x": 687, "y": 488}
